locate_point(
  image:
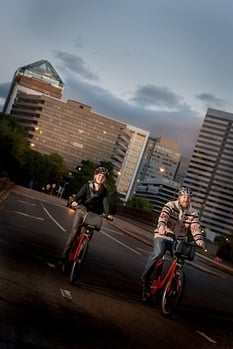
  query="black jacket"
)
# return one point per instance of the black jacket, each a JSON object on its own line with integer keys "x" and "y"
{"x": 95, "y": 201}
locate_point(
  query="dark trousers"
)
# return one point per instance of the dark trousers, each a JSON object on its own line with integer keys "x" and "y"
{"x": 78, "y": 218}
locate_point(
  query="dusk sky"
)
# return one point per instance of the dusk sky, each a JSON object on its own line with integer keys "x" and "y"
{"x": 154, "y": 64}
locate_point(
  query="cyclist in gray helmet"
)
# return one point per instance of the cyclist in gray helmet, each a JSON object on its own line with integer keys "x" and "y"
{"x": 185, "y": 191}
{"x": 177, "y": 217}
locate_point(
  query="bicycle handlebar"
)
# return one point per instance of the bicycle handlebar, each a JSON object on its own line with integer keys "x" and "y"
{"x": 172, "y": 235}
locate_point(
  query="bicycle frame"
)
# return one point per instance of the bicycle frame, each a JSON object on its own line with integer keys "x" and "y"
{"x": 79, "y": 250}
{"x": 78, "y": 253}
{"x": 172, "y": 282}
{"x": 161, "y": 281}
{"x": 85, "y": 234}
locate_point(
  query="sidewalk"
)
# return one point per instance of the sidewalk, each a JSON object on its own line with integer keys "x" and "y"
{"x": 138, "y": 230}
{"x": 144, "y": 233}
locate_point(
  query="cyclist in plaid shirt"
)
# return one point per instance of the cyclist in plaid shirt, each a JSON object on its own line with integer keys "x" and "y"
{"x": 177, "y": 217}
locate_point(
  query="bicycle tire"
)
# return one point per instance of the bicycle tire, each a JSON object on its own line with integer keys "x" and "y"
{"x": 172, "y": 293}
{"x": 78, "y": 263}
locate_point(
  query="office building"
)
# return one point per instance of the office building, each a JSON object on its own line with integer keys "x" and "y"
{"x": 210, "y": 173}
{"x": 129, "y": 150}
{"x": 36, "y": 78}
{"x": 71, "y": 128}
{"x": 155, "y": 179}
{"x": 182, "y": 169}
{"x": 160, "y": 160}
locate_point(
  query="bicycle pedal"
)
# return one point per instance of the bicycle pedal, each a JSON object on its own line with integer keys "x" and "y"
{"x": 145, "y": 296}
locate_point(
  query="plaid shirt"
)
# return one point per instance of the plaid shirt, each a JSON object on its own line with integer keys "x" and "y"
{"x": 173, "y": 218}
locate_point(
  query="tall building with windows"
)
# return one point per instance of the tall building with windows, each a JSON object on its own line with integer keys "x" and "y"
{"x": 210, "y": 173}
{"x": 155, "y": 178}
{"x": 182, "y": 169}
{"x": 129, "y": 148}
{"x": 161, "y": 159}
{"x": 35, "y": 78}
{"x": 71, "y": 128}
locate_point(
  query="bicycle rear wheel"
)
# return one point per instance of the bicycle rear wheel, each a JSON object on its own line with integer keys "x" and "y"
{"x": 172, "y": 293}
{"x": 78, "y": 263}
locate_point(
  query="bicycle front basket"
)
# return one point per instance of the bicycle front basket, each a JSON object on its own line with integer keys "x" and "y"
{"x": 185, "y": 250}
{"x": 93, "y": 220}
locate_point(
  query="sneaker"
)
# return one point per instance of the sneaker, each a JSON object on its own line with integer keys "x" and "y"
{"x": 146, "y": 291}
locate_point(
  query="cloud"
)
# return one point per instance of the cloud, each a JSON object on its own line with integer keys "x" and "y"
{"x": 209, "y": 100}
{"x": 74, "y": 64}
{"x": 151, "y": 96}
{"x": 79, "y": 42}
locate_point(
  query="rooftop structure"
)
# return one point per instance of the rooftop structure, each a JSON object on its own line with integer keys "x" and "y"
{"x": 36, "y": 78}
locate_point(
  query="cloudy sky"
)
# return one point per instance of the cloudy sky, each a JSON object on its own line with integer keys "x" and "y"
{"x": 154, "y": 64}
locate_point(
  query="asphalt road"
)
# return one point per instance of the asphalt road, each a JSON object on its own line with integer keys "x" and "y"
{"x": 41, "y": 309}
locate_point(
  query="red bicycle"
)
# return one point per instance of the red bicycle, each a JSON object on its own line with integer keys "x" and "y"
{"x": 76, "y": 257}
{"x": 169, "y": 285}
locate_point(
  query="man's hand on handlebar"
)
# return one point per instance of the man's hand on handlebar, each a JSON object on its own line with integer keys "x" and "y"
{"x": 201, "y": 244}
{"x": 74, "y": 205}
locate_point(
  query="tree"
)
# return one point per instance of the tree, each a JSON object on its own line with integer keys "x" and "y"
{"x": 140, "y": 204}
{"x": 225, "y": 250}
{"x": 13, "y": 140}
{"x": 36, "y": 168}
{"x": 57, "y": 168}
{"x": 20, "y": 162}
{"x": 114, "y": 197}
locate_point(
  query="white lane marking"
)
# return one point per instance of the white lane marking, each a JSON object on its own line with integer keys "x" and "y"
{"x": 26, "y": 202}
{"x": 120, "y": 243}
{"x": 51, "y": 265}
{"x": 146, "y": 251}
{"x": 114, "y": 231}
{"x": 28, "y": 215}
{"x": 53, "y": 219}
{"x": 206, "y": 337}
{"x": 66, "y": 293}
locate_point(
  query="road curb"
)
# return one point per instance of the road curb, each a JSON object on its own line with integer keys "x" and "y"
{"x": 132, "y": 234}
{"x": 5, "y": 193}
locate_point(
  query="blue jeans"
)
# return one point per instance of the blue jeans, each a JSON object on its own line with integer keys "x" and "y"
{"x": 161, "y": 245}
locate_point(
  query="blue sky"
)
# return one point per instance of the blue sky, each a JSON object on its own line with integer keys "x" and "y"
{"x": 154, "y": 64}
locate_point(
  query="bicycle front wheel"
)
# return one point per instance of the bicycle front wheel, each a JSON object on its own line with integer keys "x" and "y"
{"x": 172, "y": 292}
{"x": 78, "y": 263}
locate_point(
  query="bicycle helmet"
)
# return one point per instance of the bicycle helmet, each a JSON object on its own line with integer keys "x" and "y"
{"x": 101, "y": 170}
{"x": 185, "y": 191}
